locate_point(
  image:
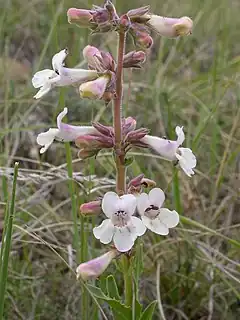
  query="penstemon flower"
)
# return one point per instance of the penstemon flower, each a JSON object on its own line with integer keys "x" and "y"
{"x": 63, "y": 132}
{"x": 121, "y": 226}
{"x": 94, "y": 89}
{"x": 170, "y": 27}
{"x": 171, "y": 150}
{"x": 60, "y": 76}
{"x": 95, "y": 267}
{"x": 155, "y": 218}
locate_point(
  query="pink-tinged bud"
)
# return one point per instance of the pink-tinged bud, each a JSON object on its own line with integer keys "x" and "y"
{"x": 87, "y": 153}
{"x": 144, "y": 41}
{"x": 93, "y": 56}
{"x": 136, "y": 182}
{"x": 128, "y": 124}
{"x": 134, "y": 59}
{"x": 138, "y": 15}
{"x": 81, "y": 17}
{"x": 104, "y": 130}
{"x": 170, "y": 27}
{"x": 91, "y": 208}
{"x": 94, "y": 268}
{"x": 94, "y": 142}
{"x": 136, "y": 135}
{"x": 94, "y": 89}
{"x": 107, "y": 61}
{"x": 124, "y": 22}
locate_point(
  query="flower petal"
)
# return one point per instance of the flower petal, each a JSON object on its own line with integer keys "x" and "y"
{"x": 44, "y": 90}
{"x": 143, "y": 203}
{"x": 60, "y": 117}
{"x": 109, "y": 202}
{"x": 156, "y": 197}
{"x": 137, "y": 227}
{"x": 187, "y": 160}
{"x": 166, "y": 148}
{"x": 123, "y": 239}
{"x": 128, "y": 203}
{"x": 168, "y": 217}
{"x": 70, "y": 76}
{"x": 155, "y": 225}
{"x": 41, "y": 77}
{"x": 45, "y": 139}
{"x": 58, "y": 60}
{"x": 104, "y": 232}
{"x": 180, "y": 135}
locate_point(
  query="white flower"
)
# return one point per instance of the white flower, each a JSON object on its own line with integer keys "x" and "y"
{"x": 155, "y": 218}
{"x": 120, "y": 226}
{"x": 170, "y": 27}
{"x": 60, "y": 76}
{"x": 63, "y": 132}
{"x": 170, "y": 150}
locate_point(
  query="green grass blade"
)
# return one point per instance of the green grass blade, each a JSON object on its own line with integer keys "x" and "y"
{"x": 5, "y": 250}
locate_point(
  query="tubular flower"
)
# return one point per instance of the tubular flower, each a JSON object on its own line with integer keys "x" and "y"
{"x": 121, "y": 225}
{"x": 63, "y": 132}
{"x": 94, "y": 89}
{"x": 81, "y": 17}
{"x": 155, "y": 218}
{"x": 60, "y": 76}
{"x": 95, "y": 267}
{"x": 170, "y": 27}
{"x": 170, "y": 150}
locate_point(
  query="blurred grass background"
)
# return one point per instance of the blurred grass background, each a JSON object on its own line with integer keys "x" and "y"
{"x": 192, "y": 82}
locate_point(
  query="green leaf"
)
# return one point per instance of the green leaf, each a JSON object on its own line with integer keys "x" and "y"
{"x": 112, "y": 288}
{"x": 148, "y": 312}
{"x": 128, "y": 161}
{"x": 120, "y": 311}
{"x": 137, "y": 310}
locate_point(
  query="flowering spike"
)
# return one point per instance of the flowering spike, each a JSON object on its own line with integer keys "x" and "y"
{"x": 91, "y": 208}
{"x": 95, "y": 267}
{"x": 94, "y": 89}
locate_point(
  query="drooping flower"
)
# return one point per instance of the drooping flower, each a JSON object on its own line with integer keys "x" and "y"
{"x": 155, "y": 218}
{"x": 95, "y": 267}
{"x": 121, "y": 226}
{"x": 170, "y": 27}
{"x": 63, "y": 132}
{"x": 60, "y": 76}
{"x": 170, "y": 150}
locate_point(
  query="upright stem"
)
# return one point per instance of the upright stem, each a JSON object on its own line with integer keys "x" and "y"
{"x": 117, "y": 118}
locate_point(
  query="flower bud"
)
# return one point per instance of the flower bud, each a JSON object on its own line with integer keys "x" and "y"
{"x": 136, "y": 135}
{"x": 87, "y": 153}
{"x": 94, "y": 89}
{"x": 139, "y": 14}
{"x": 144, "y": 40}
{"x": 91, "y": 208}
{"x": 124, "y": 22}
{"x": 129, "y": 124}
{"x": 104, "y": 130}
{"x": 94, "y": 142}
{"x": 137, "y": 181}
{"x": 95, "y": 267}
{"x": 81, "y": 17}
{"x": 134, "y": 59}
{"x": 170, "y": 27}
{"x": 93, "y": 56}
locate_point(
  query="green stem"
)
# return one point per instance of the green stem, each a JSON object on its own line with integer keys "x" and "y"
{"x": 6, "y": 246}
{"x": 128, "y": 289}
{"x": 71, "y": 187}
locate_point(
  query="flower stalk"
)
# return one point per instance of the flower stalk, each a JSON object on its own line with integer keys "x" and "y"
{"x": 117, "y": 117}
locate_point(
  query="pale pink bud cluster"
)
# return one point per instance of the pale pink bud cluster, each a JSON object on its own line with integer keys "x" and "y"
{"x": 95, "y": 267}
